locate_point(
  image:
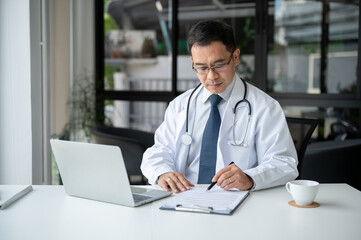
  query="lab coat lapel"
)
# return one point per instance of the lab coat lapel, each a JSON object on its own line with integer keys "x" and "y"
{"x": 182, "y": 149}
{"x": 225, "y": 131}
{"x": 227, "y": 118}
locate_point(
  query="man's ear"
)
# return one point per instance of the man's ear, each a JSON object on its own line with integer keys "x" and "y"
{"x": 236, "y": 54}
{"x": 191, "y": 58}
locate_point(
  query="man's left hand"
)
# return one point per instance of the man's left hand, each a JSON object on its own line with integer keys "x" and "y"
{"x": 233, "y": 177}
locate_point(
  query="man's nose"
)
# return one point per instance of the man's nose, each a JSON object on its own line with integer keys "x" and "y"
{"x": 212, "y": 75}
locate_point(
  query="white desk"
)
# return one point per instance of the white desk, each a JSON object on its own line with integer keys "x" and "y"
{"x": 48, "y": 213}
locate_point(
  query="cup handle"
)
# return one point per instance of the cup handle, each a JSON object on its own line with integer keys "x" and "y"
{"x": 288, "y": 187}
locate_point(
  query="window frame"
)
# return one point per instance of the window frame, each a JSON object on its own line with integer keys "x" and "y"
{"x": 260, "y": 72}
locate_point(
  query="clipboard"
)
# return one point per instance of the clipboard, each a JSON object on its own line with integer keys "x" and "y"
{"x": 198, "y": 200}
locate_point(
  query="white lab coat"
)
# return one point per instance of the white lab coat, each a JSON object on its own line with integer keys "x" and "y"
{"x": 270, "y": 158}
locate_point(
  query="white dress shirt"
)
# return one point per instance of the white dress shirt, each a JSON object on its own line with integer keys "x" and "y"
{"x": 203, "y": 108}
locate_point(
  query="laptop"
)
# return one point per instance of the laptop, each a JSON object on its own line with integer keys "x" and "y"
{"x": 98, "y": 172}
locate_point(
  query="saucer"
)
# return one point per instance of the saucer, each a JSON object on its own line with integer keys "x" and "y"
{"x": 313, "y": 205}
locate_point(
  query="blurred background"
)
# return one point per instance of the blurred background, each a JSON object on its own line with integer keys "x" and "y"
{"x": 118, "y": 63}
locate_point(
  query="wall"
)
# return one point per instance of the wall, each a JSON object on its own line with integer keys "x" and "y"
{"x": 15, "y": 93}
{"x": 59, "y": 33}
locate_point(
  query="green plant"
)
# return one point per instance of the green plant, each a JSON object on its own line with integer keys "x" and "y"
{"x": 109, "y": 23}
{"x": 245, "y": 41}
{"x": 82, "y": 106}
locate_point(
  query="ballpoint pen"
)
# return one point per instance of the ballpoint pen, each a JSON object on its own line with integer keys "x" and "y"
{"x": 214, "y": 183}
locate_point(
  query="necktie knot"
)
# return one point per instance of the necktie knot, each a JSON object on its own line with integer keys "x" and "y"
{"x": 214, "y": 100}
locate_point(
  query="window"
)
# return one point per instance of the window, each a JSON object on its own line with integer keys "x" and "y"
{"x": 314, "y": 47}
{"x": 137, "y": 77}
{"x": 136, "y": 66}
{"x": 312, "y": 61}
{"x": 302, "y": 53}
{"x": 335, "y": 123}
{"x": 140, "y": 115}
{"x": 238, "y": 14}
{"x": 137, "y": 49}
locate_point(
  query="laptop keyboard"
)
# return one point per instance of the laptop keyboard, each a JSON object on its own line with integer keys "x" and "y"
{"x": 140, "y": 198}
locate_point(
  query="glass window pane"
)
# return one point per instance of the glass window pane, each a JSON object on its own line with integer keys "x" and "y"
{"x": 238, "y": 14}
{"x": 335, "y": 123}
{"x": 342, "y": 47}
{"x": 138, "y": 115}
{"x": 296, "y": 38}
{"x": 137, "y": 46}
{"x": 295, "y": 43}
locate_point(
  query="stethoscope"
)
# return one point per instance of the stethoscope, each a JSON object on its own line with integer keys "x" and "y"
{"x": 187, "y": 138}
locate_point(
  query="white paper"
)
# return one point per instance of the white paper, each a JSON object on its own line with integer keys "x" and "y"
{"x": 216, "y": 199}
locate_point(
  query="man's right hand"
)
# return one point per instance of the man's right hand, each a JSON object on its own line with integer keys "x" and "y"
{"x": 174, "y": 181}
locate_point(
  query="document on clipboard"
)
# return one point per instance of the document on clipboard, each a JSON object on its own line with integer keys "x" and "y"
{"x": 216, "y": 201}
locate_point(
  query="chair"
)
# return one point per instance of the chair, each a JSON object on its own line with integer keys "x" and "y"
{"x": 132, "y": 143}
{"x": 301, "y": 131}
{"x": 334, "y": 162}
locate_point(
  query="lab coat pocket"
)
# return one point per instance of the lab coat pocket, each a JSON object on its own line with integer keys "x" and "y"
{"x": 239, "y": 154}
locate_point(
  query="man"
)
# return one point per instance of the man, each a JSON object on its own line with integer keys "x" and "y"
{"x": 202, "y": 144}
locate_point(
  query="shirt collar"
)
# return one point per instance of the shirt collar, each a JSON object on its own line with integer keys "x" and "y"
{"x": 225, "y": 95}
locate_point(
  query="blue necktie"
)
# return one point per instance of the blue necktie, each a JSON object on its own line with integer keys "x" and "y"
{"x": 208, "y": 157}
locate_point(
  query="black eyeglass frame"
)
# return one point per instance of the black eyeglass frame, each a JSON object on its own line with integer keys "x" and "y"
{"x": 213, "y": 67}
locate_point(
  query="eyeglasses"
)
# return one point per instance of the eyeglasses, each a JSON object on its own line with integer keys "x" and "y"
{"x": 215, "y": 68}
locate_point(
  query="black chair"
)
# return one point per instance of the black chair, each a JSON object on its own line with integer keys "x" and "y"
{"x": 334, "y": 162}
{"x": 301, "y": 131}
{"x": 132, "y": 143}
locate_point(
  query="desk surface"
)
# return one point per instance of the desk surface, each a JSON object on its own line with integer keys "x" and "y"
{"x": 48, "y": 213}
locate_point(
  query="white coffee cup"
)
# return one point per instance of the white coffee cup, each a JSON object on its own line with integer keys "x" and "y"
{"x": 303, "y": 191}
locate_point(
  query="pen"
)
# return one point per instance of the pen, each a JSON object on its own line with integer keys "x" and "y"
{"x": 214, "y": 183}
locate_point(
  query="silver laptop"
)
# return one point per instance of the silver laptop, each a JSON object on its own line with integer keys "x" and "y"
{"x": 97, "y": 172}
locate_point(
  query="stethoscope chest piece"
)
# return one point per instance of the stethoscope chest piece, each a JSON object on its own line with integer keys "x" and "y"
{"x": 186, "y": 139}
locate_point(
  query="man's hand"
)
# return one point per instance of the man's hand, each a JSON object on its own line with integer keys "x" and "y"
{"x": 175, "y": 181}
{"x": 233, "y": 177}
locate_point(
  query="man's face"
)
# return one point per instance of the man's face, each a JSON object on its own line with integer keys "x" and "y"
{"x": 211, "y": 55}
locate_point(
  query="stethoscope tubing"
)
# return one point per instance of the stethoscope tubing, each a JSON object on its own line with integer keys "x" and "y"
{"x": 189, "y": 101}
{"x": 187, "y": 139}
